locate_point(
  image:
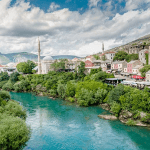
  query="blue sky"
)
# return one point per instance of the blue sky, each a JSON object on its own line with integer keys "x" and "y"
{"x": 75, "y": 27}
{"x": 74, "y": 5}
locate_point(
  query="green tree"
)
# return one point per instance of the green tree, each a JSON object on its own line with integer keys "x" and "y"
{"x": 103, "y": 58}
{"x": 145, "y": 69}
{"x": 26, "y": 67}
{"x": 14, "y": 76}
{"x": 60, "y": 64}
{"x": 4, "y": 76}
{"x": 81, "y": 69}
{"x": 121, "y": 55}
{"x": 96, "y": 57}
{"x": 130, "y": 57}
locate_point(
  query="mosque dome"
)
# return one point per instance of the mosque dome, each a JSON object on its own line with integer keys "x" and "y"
{"x": 11, "y": 65}
{"x": 47, "y": 58}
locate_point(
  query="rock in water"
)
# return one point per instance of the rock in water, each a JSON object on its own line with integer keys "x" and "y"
{"x": 108, "y": 117}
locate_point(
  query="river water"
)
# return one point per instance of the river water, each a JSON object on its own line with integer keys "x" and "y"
{"x": 60, "y": 125}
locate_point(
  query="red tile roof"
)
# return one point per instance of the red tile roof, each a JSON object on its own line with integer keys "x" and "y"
{"x": 1, "y": 65}
{"x": 146, "y": 52}
{"x": 88, "y": 56}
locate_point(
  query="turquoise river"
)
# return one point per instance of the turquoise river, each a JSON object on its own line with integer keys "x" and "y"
{"x": 60, "y": 125}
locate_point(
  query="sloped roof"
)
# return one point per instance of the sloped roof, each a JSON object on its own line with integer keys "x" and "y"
{"x": 137, "y": 67}
{"x": 118, "y": 62}
{"x": 132, "y": 61}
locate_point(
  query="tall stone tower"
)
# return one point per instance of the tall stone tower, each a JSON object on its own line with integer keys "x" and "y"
{"x": 102, "y": 47}
{"x": 39, "y": 59}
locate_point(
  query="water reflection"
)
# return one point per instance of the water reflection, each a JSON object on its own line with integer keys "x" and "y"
{"x": 57, "y": 125}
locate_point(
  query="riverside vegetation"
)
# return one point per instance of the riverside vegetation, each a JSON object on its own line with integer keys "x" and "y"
{"x": 14, "y": 132}
{"x": 130, "y": 105}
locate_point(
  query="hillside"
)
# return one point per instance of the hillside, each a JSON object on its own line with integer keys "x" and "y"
{"x": 140, "y": 42}
{"x": 24, "y": 56}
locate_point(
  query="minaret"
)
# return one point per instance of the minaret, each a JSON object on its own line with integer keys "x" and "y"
{"x": 39, "y": 60}
{"x": 149, "y": 55}
{"x": 102, "y": 48}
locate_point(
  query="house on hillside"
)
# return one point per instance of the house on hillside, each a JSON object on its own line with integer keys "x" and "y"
{"x": 142, "y": 55}
{"x": 136, "y": 69}
{"x": 90, "y": 58}
{"x": 147, "y": 76}
{"x": 119, "y": 65}
{"x": 110, "y": 55}
{"x": 132, "y": 64}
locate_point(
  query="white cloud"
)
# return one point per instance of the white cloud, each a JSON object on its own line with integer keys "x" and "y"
{"x": 134, "y": 4}
{"x": 67, "y": 32}
{"x": 53, "y": 7}
{"x": 93, "y": 3}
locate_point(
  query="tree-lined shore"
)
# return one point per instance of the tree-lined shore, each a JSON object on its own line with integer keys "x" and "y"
{"x": 129, "y": 104}
{"x": 14, "y": 133}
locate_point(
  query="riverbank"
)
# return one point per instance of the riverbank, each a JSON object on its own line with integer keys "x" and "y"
{"x": 125, "y": 117}
{"x": 56, "y": 124}
{"x": 126, "y": 103}
{"x": 14, "y": 132}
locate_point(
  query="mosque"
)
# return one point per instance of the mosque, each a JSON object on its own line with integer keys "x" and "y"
{"x": 44, "y": 66}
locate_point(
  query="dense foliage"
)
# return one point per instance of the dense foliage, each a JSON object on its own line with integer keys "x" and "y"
{"x": 122, "y": 55}
{"x": 96, "y": 57}
{"x": 145, "y": 69}
{"x": 146, "y": 57}
{"x": 26, "y": 67}
{"x": 59, "y": 64}
{"x": 85, "y": 90}
{"x": 13, "y": 130}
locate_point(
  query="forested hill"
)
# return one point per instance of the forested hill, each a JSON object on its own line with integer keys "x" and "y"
{"x": 17, "y": 57}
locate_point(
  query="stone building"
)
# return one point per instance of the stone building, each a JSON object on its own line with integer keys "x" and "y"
{"x": 136, "y": 69}
{"x": 147, "y": 76}
{"x": 132, "y": 64}
{"x": 119, "y": 65}
{"x": 142, "y": 56}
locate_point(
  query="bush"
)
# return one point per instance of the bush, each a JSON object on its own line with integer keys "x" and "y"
{"x": 100, "y": 95}
{"x": 2, "y": 83}
{"x": 115, "y": 108}
{"x": 115, "y": 94}
{"x": 8, "y": 86}
{"x": 4, "y": 76}
{"x": 71, "y": 99}
{"x": 33, "y": 71}
{"x": 70, "y": 88}
{"x": 61, "y": 89}
{"x": 85, "y": 97}
{"x": 14, "y": 76}
{"x": 13, "y": 133}
{"x": 14, "y": 109}
{"x": 146, "y": 119}
{"x": 2, "y": 102}
{"x": 5, "y": 95}
{"x": 53, "y": 92}
{"x": 130, "y": 122}
{"x": 22, "y": 86}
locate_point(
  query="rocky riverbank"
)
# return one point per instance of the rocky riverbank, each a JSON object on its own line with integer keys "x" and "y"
{"x": 125, "y": 117}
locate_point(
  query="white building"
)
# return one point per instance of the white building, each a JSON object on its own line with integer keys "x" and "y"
{"x": 110, "y": 55}
{"x": 9, "y": 70}
{"x": 46, "y": 64}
